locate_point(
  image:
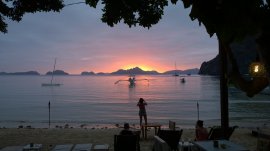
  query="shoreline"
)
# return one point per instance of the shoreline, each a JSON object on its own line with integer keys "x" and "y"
{"x": 53, "y": 136}
{"x": 95, "y": 125}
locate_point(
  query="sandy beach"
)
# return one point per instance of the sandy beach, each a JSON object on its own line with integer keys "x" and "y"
{"x": 51, "y": 137}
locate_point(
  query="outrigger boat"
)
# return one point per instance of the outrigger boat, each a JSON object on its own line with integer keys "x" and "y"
{"x": 131, "y": 80}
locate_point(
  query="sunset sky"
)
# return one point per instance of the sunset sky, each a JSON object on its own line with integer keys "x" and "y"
{"x": 81, "y": 42}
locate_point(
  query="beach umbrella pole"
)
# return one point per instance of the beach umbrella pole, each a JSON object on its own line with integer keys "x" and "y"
{"x": 49, "y": 105}
{"x": 198, "y": 110}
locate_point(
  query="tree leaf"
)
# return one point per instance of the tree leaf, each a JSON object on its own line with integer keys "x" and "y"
{"x": 92, "y": 3}
{"x": 187, "y": 3}
{"x": 174, "y": 1}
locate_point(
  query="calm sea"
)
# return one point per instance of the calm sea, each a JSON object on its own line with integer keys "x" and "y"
{"x": 96, "y": 100}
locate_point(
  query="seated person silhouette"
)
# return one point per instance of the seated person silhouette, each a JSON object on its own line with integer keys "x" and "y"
{"x": 126, "y": 140}
{"x": 126, "y": 130}
{"x": 200, "y": 131}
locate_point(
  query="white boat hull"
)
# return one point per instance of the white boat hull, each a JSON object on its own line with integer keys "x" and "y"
{"x": 50, "y": 84}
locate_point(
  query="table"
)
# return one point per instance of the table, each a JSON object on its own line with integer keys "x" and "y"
{"x": 145, "y": 126}
{"x": 32, "y": 147}
{"x": 185, "y": 146}
{"x": 224, "y": 145}
{"x": 62, "y": 147}
{"x": 101, "y": 147}
{"x": 84, "y": 147}
{"x": 12, "y": 148}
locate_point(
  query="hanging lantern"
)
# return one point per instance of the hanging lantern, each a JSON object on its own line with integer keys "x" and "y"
{"x": 256, "y": 69}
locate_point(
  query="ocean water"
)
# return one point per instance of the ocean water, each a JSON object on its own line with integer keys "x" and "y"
{"x": 96, "y": 100}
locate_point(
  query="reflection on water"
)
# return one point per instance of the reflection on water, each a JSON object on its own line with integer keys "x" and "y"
{"x": 96, "y": 99}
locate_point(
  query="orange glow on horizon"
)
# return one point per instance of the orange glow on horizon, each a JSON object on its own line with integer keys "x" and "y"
{"x": 143, "y": 67}
{"x": 128, "y": 61}
{"x": 116, "y": 66}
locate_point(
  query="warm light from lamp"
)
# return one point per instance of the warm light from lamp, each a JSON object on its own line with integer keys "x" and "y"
{"x": 256, "y": 69}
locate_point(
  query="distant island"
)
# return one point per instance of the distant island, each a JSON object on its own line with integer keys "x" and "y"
{"x": 20, "y": 73}
{"x": 88, "y": 73}
{"x": 139, "y": 71}
{"x": 188, "y": 71}
{"x": 57, "y": 72}
{"x": 136, "y": 71}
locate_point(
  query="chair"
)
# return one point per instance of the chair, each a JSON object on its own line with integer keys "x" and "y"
{"x": 216, "y": 132}
{"x": 172, "y": 125}
{"x": 263, "y": 142}
{"x": 171, "y": 137}
{"x": 160, "y": 144}
{"x": 126, "y": 143}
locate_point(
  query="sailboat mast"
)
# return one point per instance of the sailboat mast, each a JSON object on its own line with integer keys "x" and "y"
{"x": 175, "y": 68}
{"x": 53, "y": 70}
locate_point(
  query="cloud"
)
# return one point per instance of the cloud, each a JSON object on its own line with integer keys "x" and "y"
{"x": 78, "y": 38}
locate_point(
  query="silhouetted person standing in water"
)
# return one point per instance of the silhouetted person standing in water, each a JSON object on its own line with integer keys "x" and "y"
{"x": 142, "y": 112}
